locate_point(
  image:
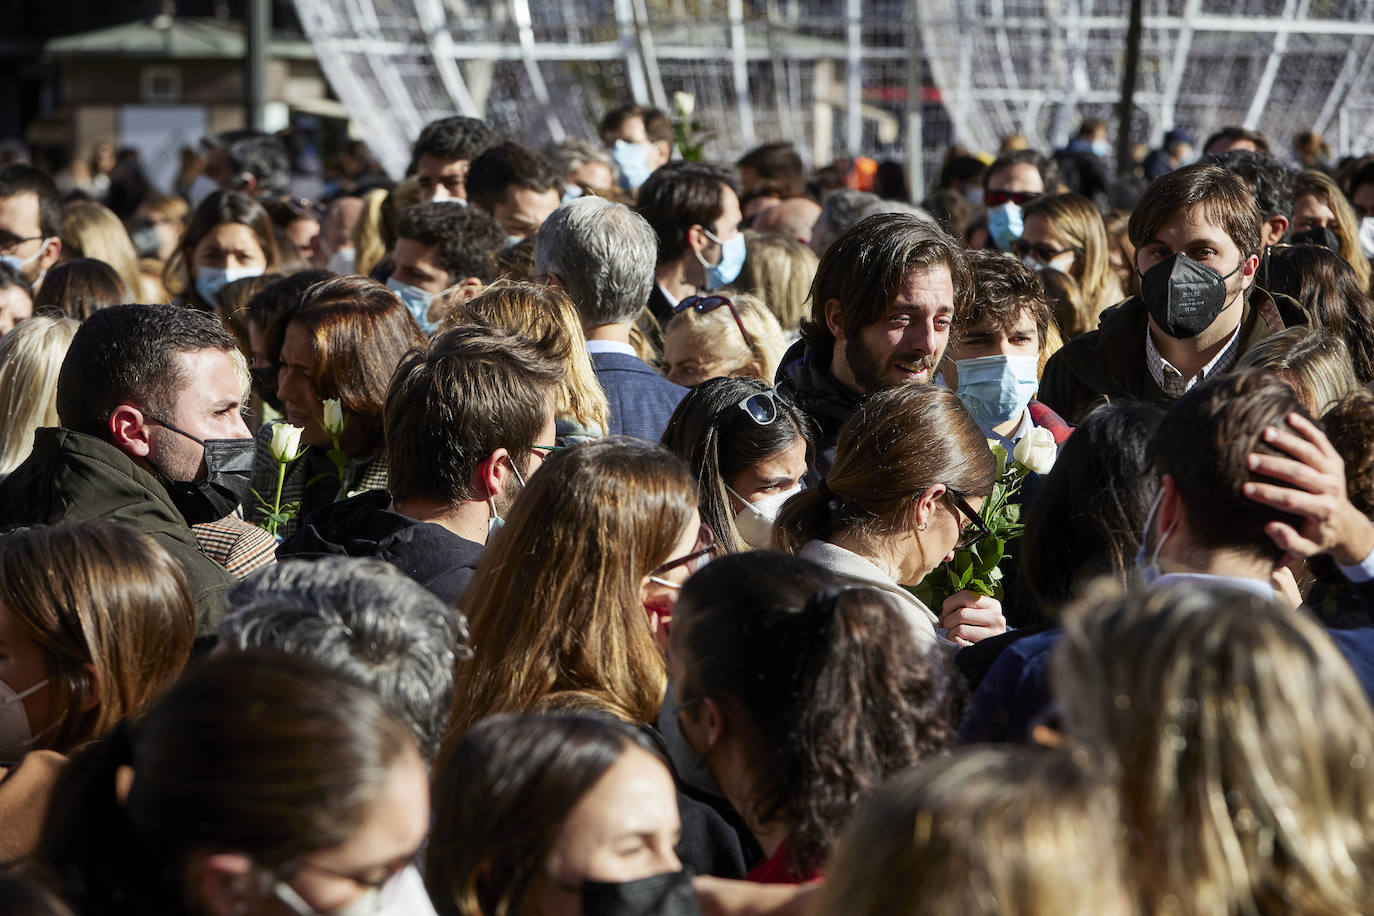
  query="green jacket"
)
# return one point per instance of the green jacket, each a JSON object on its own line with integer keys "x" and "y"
{"x": 73, "y": 477}
{"x": 1108, "y": 364}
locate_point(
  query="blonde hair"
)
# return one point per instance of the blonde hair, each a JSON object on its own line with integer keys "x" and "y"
{"x": 547, "y": 317}
{"x": 30, "y": 358}
{"x": 1241, "y": 740}
{"x": 369, "y": 247}
{"x": 92, "y": 231}
{"x": 1321, "y": 186}
{"x": 779, "y": 270}
{"x": 724, "y": 341}
{"x": 986, "y": 830}
{"x": 1078, "y": 220}
{"x": 1313, "y": 362}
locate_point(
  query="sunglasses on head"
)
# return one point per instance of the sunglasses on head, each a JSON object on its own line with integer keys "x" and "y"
{"x": 703, "y": 304}
{"x": 1041, "y": 251}
{"x": 761, "y": 406}
{"x": 1020, "y": 198}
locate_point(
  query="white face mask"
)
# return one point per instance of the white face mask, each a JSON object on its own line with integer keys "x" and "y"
{"x": 755, "y": 520}
{"x": 1367, "y": 237}
{"x": 15, "y": 733}
{"x": 402, "y": 895}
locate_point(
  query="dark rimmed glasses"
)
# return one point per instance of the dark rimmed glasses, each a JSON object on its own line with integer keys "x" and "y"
{"x": 703, "y": 304}
{"x": 696, "y": 558}
{"x": 975, "y": 530}
{"x": 1041, "y": 251}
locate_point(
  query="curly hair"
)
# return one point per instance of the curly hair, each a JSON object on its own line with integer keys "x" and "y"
{"x": 835, "y": 695}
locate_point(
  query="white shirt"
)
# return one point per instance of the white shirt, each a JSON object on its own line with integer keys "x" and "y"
{"x": 611, "y": 346}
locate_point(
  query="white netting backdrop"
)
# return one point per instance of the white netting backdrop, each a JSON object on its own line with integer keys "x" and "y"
{"x": 833, "y": 76}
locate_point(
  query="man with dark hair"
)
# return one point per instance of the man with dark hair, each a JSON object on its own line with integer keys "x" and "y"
{"x": 149, "y": 397}
{"x": 695, "y": 213}
{"x": 441, "y": 248}
{"x": 442, "y": 154}
{"x": 517, "y": 187}
{"x": 602, "y": 254}
{"x": 773, "y": 167}
{"x": 640, "y": 140}
{"x": 1198, "y": 236}
{"x": 364, "y": 618}
{"x": 467, "y": 422}
{"x": 996, "y": 349}
{"x": 1013, "y": 180}
{"x": 248, "y": 161}
{"x": 1272, "y": 184}
{"x": 1229, "y": 138}
{"x": 882, "y": 305}
{"x": 30, "y": 222}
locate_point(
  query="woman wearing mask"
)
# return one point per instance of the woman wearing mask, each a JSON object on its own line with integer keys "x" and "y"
{"x": 800, "y": 691}
{"x": 747, "y": 448}
{"x": 911, "y": 471}
{"x": 1065, "y": 232}
{"x": 342, "y": 340}
{"x": 1323, "y": 216}
{"x": 230, "y": 237}
{"x": 261, "y": 784}
{"x": 555, "y": 816}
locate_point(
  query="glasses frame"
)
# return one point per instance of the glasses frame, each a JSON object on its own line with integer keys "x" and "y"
{"x": 704, "y": 304}
{"x": 705, "y": 546}
{"x": 8, "y": 247}
{"x": 771, "y": 397}
{"x": 980, "y": 528}
{"x": 1040, "y": 250}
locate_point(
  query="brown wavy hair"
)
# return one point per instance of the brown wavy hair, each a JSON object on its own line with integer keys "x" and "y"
{"x": 555, "y": 605}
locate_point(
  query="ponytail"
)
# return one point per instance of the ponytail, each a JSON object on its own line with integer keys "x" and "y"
{"x": 808, "y": 516}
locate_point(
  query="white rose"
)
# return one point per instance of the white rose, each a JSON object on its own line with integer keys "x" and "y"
{"x": 1037, "y": 450}
{"x": 333, "y": 419}
{"x": 686, "y": 104}
{"x": 286, "y": 441}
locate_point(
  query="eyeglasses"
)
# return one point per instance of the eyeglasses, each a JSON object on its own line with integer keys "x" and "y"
{"x": 997, "y": 198}
{"x": 701, "y": 551}
{"x": 975, "y": 530}
{"x": 10, "y": 242}
{"x": 761, "y": 406}
{"x": 1041, "y": 251}
{"x": 703, "y": 304}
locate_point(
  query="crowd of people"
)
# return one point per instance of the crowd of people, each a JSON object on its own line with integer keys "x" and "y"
{"x": 591, "y": 530}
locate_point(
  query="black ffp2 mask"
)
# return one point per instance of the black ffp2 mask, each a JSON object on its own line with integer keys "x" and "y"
{"x": 228, "y": 472}
{"x": 668, "y": 894}
{"x": 1319, "y": 235}
{"x": 1183, "y": 296}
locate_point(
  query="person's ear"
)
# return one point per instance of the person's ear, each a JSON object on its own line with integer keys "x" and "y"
{"x": 1249, "y": 269}
{"x": 130, "y": 431}
{"x": 50, "y": 254}
{"x": 696, "y": 239}
{"x": 1277, "y": 228}
{"x": 664, "y": 151}
{"x": 248, "y": 183}
{"x": 1170, "y": 507}
{"x": 552, "y": 279}
{"x": 91, "y": 699}
{"x": 926, "y": 503}
{"x": 706, "y": 721}
{"x": 221, "y": 882}
{"x": 467, "y": 290}
{"x": 833, "y": 319}
{"x": 491, "y": 474}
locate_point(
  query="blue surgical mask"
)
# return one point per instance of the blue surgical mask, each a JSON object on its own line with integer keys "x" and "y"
{"x": 1102, "y": 149}
{"x": 996, "y": 389}
{"x": 18, "y": 263}
{"x": 416, "y": 300}
{"x": 571, "y": 192}
{"x": 731, "y": 262}
{"x": 633, "y": 161}
{"x": 1005, "y": 224}
{"x": 1148, "y": 569}
{"x": 210, "y": 280}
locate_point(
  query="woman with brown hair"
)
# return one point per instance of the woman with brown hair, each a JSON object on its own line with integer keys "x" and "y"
{"x": 1065, "y": 232}
{"x": 80, "y": 287}
{"x": 230, "y": 237}
{"x": 546, "y": 316}
{"x": 342, "y": 341}
{"x": 911, "y": 471}
{"x": 1324, "y": 284}
{"x": 1320, "y": 208}
{"x": 95, "y": 620}
{"x": 566, "y": 599}
{"x": 1238, "y": 737}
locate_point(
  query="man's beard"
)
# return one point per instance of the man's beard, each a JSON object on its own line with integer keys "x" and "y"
{"x": 872, "y": 375}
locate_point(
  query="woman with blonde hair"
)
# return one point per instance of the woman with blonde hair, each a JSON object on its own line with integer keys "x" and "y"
{"x": 30, "y": 358}
{"x": 367, "y": 237}
{"x": 987, "y": 830}
{"x": 1065, "y": 232}
{"x": 1318, "y": 205}
{"x": 547, "y": 317}
{"x": 1311, "y": 361}
{"x": 779, "y": 270}
{"x": 713, "y": 336}
{"x": 565, "y": 601}
{"x": 1237, "y": 734}
{"x": 92, "y": 231}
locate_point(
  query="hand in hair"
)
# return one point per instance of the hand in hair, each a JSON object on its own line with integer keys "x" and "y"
{"x": 1316, "y": 477}
{"x": 968, "y": 617}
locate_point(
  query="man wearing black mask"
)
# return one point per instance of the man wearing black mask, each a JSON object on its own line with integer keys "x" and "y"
{"x": 149, "y": 398}
{"x": 1198, "y": 237}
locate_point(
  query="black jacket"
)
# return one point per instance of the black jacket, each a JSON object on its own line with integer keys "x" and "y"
{"x": 73, "y": 477}
{"x": 825, "y": 400}
{"x": 363, "y": 526}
